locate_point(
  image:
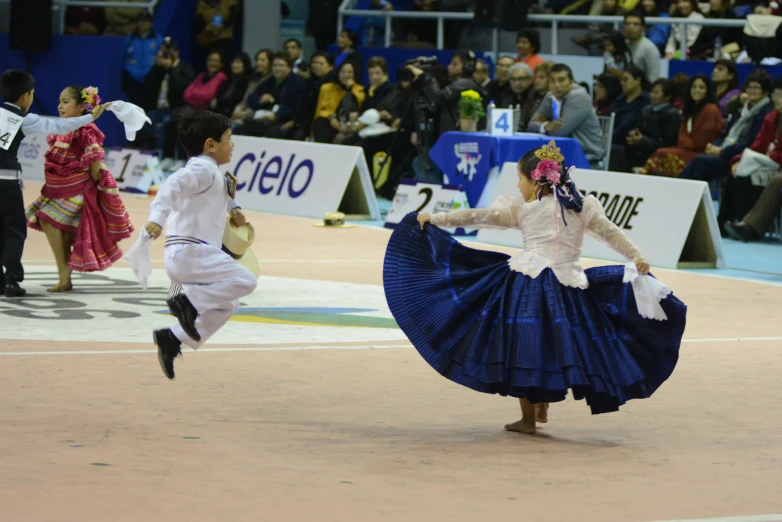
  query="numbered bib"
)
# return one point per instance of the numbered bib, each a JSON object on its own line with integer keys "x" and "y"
{"x": 10, "y": 124}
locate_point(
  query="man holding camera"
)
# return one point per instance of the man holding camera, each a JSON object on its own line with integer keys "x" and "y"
{"x": 443, "y": 101}
{"x": 164, "y": 89}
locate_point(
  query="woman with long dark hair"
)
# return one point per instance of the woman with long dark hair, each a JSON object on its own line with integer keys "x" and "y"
{"x": 702, "y": 123}
{"x": 232, "y": 93}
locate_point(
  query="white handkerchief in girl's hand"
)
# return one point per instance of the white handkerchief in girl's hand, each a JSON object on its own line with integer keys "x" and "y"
{"x": 648, "y": 293}
{"x": 132, "y": 116}
{"x": 138, "y": 258}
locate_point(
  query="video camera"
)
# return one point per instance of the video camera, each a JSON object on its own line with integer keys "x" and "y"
{"x": 423, "y": 62}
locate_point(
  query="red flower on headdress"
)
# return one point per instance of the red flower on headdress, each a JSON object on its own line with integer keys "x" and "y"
{"x": 549, "y": 170}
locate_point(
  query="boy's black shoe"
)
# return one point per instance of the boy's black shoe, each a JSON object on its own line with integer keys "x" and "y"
{"x": 168, "y": 348}
{"x": 181, "y": 308}
{"x": 14, "y": 290}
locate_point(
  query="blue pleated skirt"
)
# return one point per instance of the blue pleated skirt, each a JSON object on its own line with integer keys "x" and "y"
{"x": 484, "y": 326}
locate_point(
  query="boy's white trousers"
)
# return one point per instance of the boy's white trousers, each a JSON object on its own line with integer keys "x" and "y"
{"x": 213, "y": 282}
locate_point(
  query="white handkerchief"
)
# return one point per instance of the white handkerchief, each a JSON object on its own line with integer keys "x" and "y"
{"x": 138, "y": 258}
{"x": 648, "y": 293}
{"x": 132, "y": 116}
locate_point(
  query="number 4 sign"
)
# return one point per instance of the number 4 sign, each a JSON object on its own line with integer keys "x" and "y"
{"x": 502, "y": 122}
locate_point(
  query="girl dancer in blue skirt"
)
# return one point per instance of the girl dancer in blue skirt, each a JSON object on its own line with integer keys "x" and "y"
{"x": 536, "y": 324}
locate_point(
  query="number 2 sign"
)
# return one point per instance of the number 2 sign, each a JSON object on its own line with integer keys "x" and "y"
{"x": 423, "y": 198}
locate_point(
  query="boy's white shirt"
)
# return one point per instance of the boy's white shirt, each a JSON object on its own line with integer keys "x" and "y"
{"x": 189, "y": 203}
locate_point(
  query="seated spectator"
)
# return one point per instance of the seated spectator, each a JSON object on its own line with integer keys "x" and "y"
{"x": 499, "y": 88}
{"x": 607, "y": 89}
{"x": 339, "y": 102}
{"x": 567, "y": 111}
{"x": 121, "y": 21}
{"x": 139, "y": 55}
{"x": 379, "y": 89}
{"x": 521, "y": 78}
{"x": 740, "y": 131}
{"x": 321, "y": 72}
{"x": 164, "y": 87}
{"x": 348, "y": 42}
{"x": 726, "y": 83}
{"x": 294, "y": 52}
{"x": 202, "y": 93}
{"x": 528, "y": 47}
{"x": 616, "y": 54}
{"x": 278, "y": 99}
{"x": 759, "y": 220}
{"x": 658, "y": 34}
{"x": 658, "y": 128}
{"x": 628, "y": 107}
{"x": 232, "y": 93}
{"x": 481, "y": 75}
{"x": 537, "y": 94}
{"x": 683, "y": 9}
{"x": 704, "y": 46}
{"x": 702, "y": 123}
{"x": 741, "y": 192}
{"x": 645, "y": 54}
{"x": 262, "y": 72}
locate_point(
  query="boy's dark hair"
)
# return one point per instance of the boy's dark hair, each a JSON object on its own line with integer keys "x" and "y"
{"x": 195, "y": 127}
{"x": 14, "y": 84}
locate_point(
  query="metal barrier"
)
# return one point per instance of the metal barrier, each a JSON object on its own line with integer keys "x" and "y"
{"x": 61, "y": 5}
{"x": 555, "y": 21}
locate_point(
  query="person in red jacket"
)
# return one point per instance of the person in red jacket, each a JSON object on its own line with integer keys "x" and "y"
{"x": 739, "y": 194}
{"x": 202, "y": 93}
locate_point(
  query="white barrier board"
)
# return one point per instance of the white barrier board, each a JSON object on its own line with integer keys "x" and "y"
{"x": 660, "y": 215}
{"x": 427, "y": 198}
{"x": 302, "y": 179}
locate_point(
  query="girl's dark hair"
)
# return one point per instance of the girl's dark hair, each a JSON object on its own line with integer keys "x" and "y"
{"x": 620, "y": 45}
{"x": 528, "y": 162}
{"x": 565, "y": 191}
{"x": 690, "y": 107}
{"x": 730, "y": 65}
{"x": 76, "y": 93}
{"x": 195, "y": 127}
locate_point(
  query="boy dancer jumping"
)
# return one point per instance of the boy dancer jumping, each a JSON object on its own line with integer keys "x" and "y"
{"x": 192, "y": 204}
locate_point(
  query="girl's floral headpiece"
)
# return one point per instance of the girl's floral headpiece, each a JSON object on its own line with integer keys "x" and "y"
{"x": 549, "y": 172}
{"x": 549, "y": 169}
{"x": 89, "y": 96}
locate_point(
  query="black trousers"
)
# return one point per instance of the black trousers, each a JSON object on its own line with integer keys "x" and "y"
{"x": 13, "y": 232}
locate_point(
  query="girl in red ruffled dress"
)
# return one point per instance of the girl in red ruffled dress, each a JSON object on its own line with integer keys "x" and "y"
{"x": 79, "y": 209}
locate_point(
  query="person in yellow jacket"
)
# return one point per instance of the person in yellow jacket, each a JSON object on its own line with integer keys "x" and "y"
{"x": 335, "y": 108}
